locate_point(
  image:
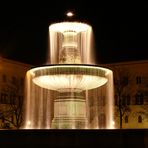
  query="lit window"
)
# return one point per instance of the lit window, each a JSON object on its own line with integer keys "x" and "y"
{"x": 139, "y": 119}
{"x": 126, "y": 119}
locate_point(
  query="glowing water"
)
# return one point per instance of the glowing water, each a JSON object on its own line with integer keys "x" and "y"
{"x": 82, "y": 37}
{"x": 69, "y": 94}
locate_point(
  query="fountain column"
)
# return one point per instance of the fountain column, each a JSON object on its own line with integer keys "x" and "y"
{"x": 70, "y": 103}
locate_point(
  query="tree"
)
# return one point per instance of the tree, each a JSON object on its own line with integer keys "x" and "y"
{"x": 122, "y": 99}
{"x": 12, "y": 99}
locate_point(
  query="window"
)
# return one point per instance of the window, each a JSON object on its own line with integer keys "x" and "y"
{"x": 125, "y": 80}
{"x": 6, "y": 125}
{"x": 126, "y": 119}
{"x": 14, "y": 80}
{"x": 4, "y": 78}
{"x": 128, "y": 99}
{"x": 21, "y": 81}
{"x": 125, "y": 99}
{"x": 12, "y": 100}
{"x": 4, "y": 99}
{"x": 12, "y": 119}
{"x": 3, "y": 119}
{"x": 116, "y": 100}
{"x": 138, "y": 80}
{"x": 139, "y": 98}
{"x": 139, "y": 119}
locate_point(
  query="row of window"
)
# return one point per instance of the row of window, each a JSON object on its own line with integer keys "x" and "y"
{"x": 9, "y": 99}
{"x": 139, "y": 119}
{"x": 126, "y": 99}
{"x": 102, "y": 120}
{"x": 125, "y": 80}
{"x": 14, "y": 80}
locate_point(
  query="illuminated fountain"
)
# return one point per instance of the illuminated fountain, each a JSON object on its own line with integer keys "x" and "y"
{"x": 69, "y": 92}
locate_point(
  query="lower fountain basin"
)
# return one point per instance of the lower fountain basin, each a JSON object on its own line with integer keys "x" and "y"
{"x": 70, "y": 96}
{"x": 76, "y": 77}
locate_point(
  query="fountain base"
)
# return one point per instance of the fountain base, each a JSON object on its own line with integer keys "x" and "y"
{"x": 69, "y": 111}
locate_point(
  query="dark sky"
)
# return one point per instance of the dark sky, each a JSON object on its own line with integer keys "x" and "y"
{"x": 121, "y": 30}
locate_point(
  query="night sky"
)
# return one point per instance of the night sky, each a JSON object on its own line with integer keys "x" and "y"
{"x": 120, "y": 30}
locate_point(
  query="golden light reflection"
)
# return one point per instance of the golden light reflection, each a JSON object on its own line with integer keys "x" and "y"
{"x": 59, "y": 82}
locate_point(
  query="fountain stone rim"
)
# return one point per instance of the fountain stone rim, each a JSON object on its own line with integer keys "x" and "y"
{"x": 69, "y": 76}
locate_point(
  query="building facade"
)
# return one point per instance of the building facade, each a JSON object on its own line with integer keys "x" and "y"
{"x": 12, "y": 75}
{"x": 130, "y": 91}
{"x": 131, "y": 94}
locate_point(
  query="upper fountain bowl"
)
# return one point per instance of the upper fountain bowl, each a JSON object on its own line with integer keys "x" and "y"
{"x": 69, "y": 26}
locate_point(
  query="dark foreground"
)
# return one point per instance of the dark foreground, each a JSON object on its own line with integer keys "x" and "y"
{"x": 133, "y": 138}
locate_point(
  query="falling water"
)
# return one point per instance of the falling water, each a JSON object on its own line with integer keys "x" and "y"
{"x": 84, "y": 42}
{"x": 71, "y": 93}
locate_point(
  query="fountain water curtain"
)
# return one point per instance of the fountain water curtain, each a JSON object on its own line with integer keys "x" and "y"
{"x": 70, "y": 92}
